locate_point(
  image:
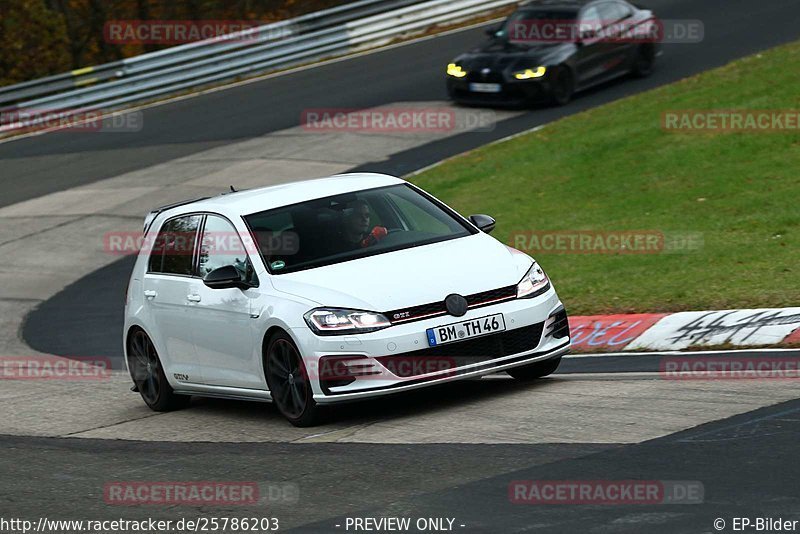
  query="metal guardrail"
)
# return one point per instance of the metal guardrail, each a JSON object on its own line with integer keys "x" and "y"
{"x": 303, "y": 39}
{"x": 218, "y": 45}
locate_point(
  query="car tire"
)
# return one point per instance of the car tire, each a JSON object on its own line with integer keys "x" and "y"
{"x": 289, "y": 382}
{"x": 644, "y": 61}
{"x": 535, "y": 370}
{"x": 148, "y": 375}
{"x": 562, "y": 86}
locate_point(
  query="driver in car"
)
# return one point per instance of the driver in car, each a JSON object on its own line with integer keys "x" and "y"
{"x": 356, "y": 230}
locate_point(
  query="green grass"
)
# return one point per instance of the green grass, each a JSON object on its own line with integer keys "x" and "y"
{"x": 614, "y": 168}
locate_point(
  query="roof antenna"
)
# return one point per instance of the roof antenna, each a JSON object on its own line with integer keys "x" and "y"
{"x": 233, "y": 189}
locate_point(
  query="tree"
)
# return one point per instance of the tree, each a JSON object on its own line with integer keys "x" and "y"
{"x": 33, "y": 42}
{"x": 44, "y": 37}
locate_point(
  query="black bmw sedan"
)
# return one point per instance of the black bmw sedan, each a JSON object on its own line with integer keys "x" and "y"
{"x": 549, "y": 49}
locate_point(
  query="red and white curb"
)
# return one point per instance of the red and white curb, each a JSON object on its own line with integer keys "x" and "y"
{"x": 677, "y": 331}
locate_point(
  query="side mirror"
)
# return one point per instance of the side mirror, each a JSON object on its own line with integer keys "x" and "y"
{"x": 587, "y": 34}
{"x": 483, "y": 222}
{"x": 225, "y": 278}
{"x": 495, "y": 32}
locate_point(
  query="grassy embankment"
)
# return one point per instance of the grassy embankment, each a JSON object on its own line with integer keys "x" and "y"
{"x": 615, "y": 168}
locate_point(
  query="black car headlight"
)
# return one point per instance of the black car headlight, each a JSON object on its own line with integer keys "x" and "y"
{"x": 455, "y": 70}
{"x": 527, "y": 74}
{"x": 338, "y": 321}
{"x": 535, "y": 282}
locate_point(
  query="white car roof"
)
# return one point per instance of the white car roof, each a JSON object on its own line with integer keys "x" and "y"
{"x": 264, "y": 198}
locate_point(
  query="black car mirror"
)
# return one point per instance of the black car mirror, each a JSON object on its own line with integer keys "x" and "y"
{"x": 495, "y": 32}
{"x": 225, "y": 278}
{"x": 483, "y": 222}
{"x": 587, "y": 34}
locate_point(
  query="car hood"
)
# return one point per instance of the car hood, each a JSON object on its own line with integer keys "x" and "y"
{"x": 499, "y": 56}
{"x": 410, "y": 277}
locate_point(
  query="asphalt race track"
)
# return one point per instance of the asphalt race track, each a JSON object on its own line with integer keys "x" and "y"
{"x": 449, "y": 452}
{"x": 735, "y": 459}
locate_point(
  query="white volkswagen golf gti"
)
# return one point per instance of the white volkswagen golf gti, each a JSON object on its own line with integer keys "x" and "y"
{"x": 330, "y": 290}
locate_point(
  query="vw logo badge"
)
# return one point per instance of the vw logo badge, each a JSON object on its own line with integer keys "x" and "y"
{"x": 456, "y": 305}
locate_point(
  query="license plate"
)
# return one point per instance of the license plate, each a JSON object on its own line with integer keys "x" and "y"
{"x": 465, "y": 329}
{"x": 485, "y": 87}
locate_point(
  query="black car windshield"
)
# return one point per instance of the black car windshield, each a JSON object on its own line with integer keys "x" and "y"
{"x": 353, "y": 225}
{"x": 528, "y": 26}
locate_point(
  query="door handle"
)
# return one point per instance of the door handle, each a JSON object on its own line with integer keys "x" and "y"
{"x": 193, "y": 298}
{"x": 150, "y": 294}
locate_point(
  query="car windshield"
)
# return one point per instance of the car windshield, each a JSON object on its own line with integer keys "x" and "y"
{"x": 529, "y": 25}
{"x": 349, "y": 226}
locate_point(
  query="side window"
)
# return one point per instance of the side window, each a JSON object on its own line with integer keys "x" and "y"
{"x": 221, "y": 245}
{"x": 623, "y": 10}
{"x": 591, "y": 19}
{"x": 174, "y": 247}
{"x": 611, "y": 12}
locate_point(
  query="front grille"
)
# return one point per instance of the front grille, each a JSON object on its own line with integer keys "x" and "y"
{"x": 493, "y": 294}
{"x": 432, "y": 309}
{"x": 478, "y": 77}
{"x": 468, "y": 352}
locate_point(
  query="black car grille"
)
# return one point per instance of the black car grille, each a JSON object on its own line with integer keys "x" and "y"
{"x": 459, "y": 354}
{"x": 433, "y": 309}
{"x": 493, "y": 294}
{"x": 478, "y": 77}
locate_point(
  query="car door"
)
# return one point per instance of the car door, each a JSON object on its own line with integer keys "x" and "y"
{"x": 615, "y": 16}
{"x": 592, "y": 48}
{"x": 169, "y": 278}
{"x": 223, "y": 331}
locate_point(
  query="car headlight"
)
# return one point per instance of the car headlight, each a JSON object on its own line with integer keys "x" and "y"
{"x": 527, "y": 74}
{"x": 535, "y": 282}
{"x": 337, "y": 321}
{"x": 455, "y": 70}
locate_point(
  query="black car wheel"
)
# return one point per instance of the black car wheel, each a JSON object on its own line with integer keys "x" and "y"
{"x": 535, "y": 370}
{"x": 148, "y": 375}
{"x": 644, "y": 61}
{"x": 562, "y": 86}
{"x": 289, "y": 383}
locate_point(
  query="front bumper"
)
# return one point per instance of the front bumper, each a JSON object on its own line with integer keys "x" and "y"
{"x": 512, "y": 92}
{"x": 375, "y": 356}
